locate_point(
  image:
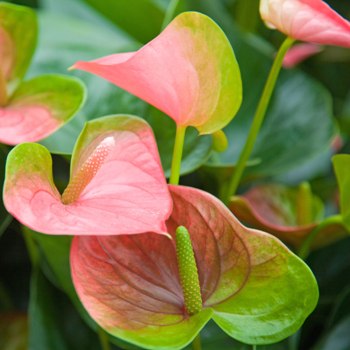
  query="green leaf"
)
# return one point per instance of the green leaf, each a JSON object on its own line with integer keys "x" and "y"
{"x": 338, "y": 338}
{"x": 18, "y": 34}
{"x": 133, "y": 16}
{"x": 43, "y": 316}
{"x": 341, "y": 163}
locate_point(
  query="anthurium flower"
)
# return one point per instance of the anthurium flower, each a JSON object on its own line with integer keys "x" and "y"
{"x": 307, "y": 20}
{"x": 189, "y": 72}
{"x": 300, "y": 53}
{"x": 288, "y": 213}
{"x": 251, "y": 285}
{"x": 31, "y": 110}
{"x": 116, "y": 185}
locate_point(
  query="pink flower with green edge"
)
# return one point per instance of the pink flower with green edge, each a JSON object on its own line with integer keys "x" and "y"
{"x": 300, "y": 53}
{"x": 34, "y": 109}
{"x": 306, "y": 20}
{"x": 189, "y": 72}
{"x": 116, "y": 183}
{"x": 290, "y": 214}
{"x": 251, "y": 285}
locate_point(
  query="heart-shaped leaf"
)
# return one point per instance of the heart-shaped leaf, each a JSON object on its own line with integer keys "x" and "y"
{"x": 116, "y": 187}
{"x": 39, "y": 107}
{"x": 251, "y": 284}
{"x": 18, "y": 33}
{"x": 307, "y": 20}
{"x": 189, "y": 72}
{"x": 341, "y": 163}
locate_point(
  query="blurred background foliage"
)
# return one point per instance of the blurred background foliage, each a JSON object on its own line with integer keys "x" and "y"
{"x": 39, "y": 309}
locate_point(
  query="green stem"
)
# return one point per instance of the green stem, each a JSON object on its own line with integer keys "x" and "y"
{"x": 258, "y": 118}
{"x": 196, "y": 344}
{"x": 5, "y": 223}
{"x": 170, "y": 12}
{"x": 247, "y": 14}
{"x": 103, "y": 336}
{"x": 254, "y": 347}
{"x": 304, "y": 204}
{"x": 177, "y": 155}
{"x": 304, "y": 250}
{"x": 3, "y": 90}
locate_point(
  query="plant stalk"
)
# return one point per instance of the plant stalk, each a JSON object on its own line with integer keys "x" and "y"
{"x": 177, "y": 155}
{"x": 170, "y": 12}
{"x": 103, "y": 336}
{"x": 304, "y": 250}
{"x": 258, "y": 118}
{"x": 196, "y": 344}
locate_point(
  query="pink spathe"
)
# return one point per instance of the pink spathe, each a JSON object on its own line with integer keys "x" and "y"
{"x": 299, "y": 53}
{"x": 307, "y": 20}
{"x": 26, "y": 123}
{"x": 117, "y": 186}
{"x": 189, "y": 72}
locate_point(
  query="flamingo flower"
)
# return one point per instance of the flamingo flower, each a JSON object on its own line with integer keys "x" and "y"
{"x": 189, "y": 72}
{"x": 306, "y": 20}
{"x": 250, "y": 284}
{"x": 116, "y": 186}
{"x": 299, "y": 53}
{"x": 291, "y": 214}
{"x": 31, "y": 110}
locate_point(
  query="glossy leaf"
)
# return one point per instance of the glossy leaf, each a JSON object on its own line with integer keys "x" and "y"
{"x": 279, "y": 210}
{"x": 307, "y": 20}
{"x": 39, "y": 107}
{"x": 18, "y": 33}
{"x": 130, "y": 284}
{"x": 189, "y": 72}
{"x": 116, "y": 184}
{"x": 134, "y": 22}
{"x": 341, "y": 163}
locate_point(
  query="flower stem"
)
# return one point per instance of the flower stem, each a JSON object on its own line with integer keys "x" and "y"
{"x": 170, "y": 12}
{"x": 3, "y": 90}
{"x": 196, "y": 344}
{"x": 304, "y": 204}
{"x": 258, "y": 118}
{"x": 177, "y": 155}
{"x": 304, "y": 250}
{"x": 103, "y": 339}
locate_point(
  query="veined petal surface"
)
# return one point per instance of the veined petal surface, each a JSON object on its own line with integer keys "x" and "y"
{"x": 39, "y": 107}
{"x": 189, "y": 72}
{"x": 130, "y": 284}
{"x": 307, "y": 20}
{"x": 116, "y": 187}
